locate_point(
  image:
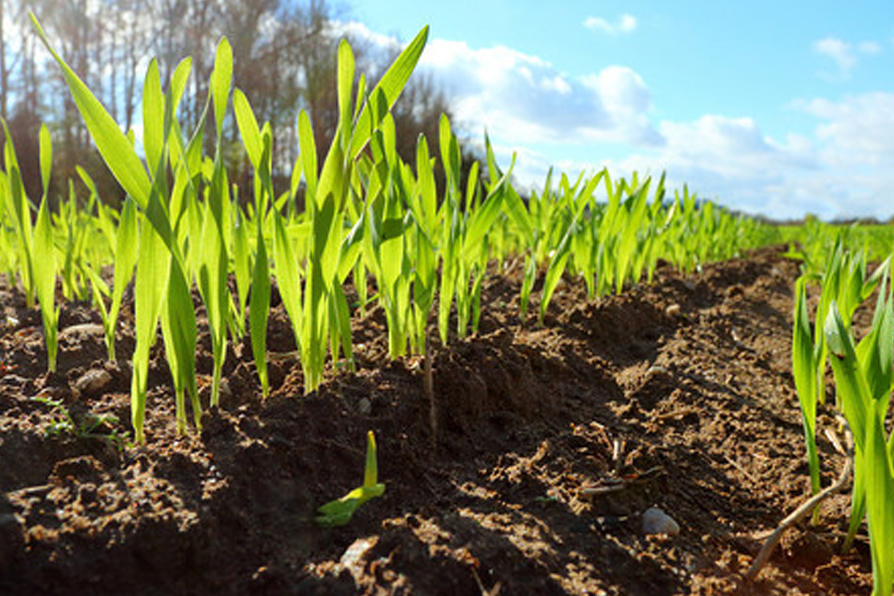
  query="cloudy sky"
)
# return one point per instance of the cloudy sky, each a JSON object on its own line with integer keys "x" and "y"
{"x": 780, "y": 108}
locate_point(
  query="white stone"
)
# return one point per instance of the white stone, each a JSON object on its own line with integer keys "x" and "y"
{"x": 656, "y": 521}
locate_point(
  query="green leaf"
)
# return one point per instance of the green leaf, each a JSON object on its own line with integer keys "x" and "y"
{"x": 221, "y": 77}
{"x": 153, "y": 119}
{"x": 518, "y": 213}
{"x": 391, "y": 85}
{"x": 879, "y": 512}
{"x": 853, "y": 390}
{"x": 179, "y": 330}
{"x": 126, "y": 251}
{"x": 258, "y": 314}
{"x": 46, "y": 158}
{"x": 308, "y": 155}
{"x": 149, "y": 292}
{"x": 45, "y": 279}
{"x": 482, "y": 219}
{"x": 340, "y": 511}
{"x": 248, "y": 128}
{"x": 241, "y": 261}
{"x": 805, "y": 375}
{"x": 345, "y": 85}
{"x": 287, "y": 276}
{"x": 116, "y": 150}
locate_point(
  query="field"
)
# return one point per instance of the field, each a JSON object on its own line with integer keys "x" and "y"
{"x": 601, "y": 387}
{"x": 682, "y": 387}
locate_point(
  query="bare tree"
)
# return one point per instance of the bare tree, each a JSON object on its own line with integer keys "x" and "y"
{"x": 285, "y": 59}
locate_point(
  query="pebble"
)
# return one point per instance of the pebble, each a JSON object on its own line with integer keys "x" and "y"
{"x": 656, "y": 521}
{"x": 364, "y": 406}
{"x": 93, "y": 381}
{"x": 673, "y": 310}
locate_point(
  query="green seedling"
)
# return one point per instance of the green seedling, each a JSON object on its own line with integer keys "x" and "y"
{"x": 45, "y": 256}
{"x": 91, "y": 426}
{"x": 864, "y": 378}
{"x": 340, "y": 511}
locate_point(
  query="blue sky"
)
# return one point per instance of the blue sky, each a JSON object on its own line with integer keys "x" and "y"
{"x": 780, "y": 108}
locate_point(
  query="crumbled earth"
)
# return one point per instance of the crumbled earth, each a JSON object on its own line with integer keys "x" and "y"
{"x": 552, "y": 440}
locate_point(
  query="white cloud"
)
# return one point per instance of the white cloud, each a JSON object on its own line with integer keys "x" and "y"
{"x": 841, "y": 168}
{"x": 628, "y": 102}
{"x": 360, "y": 32}
{"x": 844, "y": 54}
{"x": 869, "y": 47}
{"x": 857, "y": 130}
{"x": 524, "y": 99}
{"x": 727, "y": 158}
{"x": 839, "y": 51}
{"x": 626, "y": 23}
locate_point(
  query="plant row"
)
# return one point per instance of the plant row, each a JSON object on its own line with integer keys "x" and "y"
{"x": 863, "y": 372}
{"x": 354, "y": 213}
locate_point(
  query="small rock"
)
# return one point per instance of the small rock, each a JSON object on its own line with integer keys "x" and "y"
{"x": 353, "y": 559}
{"x": 364, "y": 406}
{"x": 93, "y": 381}
{"x": 82, "y": 330}
{"x": 656, "y": 521}
{"x": 673, "y": 310}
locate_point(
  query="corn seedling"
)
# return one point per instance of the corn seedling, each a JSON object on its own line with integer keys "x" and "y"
{"x": 863, "y": 374}
{"x": 161, "y": 277}
{"x": 125, "y": 261}
{"x": 340, "y": 511}
{"x": 44, "y": 251}
{"x": 18, "y": 209}
{"x": 864, "y": 379}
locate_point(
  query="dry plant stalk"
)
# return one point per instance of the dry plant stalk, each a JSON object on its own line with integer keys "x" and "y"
{"x": 808, "y": 506}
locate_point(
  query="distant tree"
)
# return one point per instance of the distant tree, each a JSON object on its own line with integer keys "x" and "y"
{"x": 285, "y": 60}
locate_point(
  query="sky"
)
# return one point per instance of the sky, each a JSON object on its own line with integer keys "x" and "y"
{"x": 768, "y": 107}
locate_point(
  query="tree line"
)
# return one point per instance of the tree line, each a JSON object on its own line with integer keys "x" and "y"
{"x": 285, "y": 60}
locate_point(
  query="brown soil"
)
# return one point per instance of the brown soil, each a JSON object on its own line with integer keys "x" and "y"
{"x": 681, "y": 390}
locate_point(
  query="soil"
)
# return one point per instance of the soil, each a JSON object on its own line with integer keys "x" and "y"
{"x": 676, "y": 394}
